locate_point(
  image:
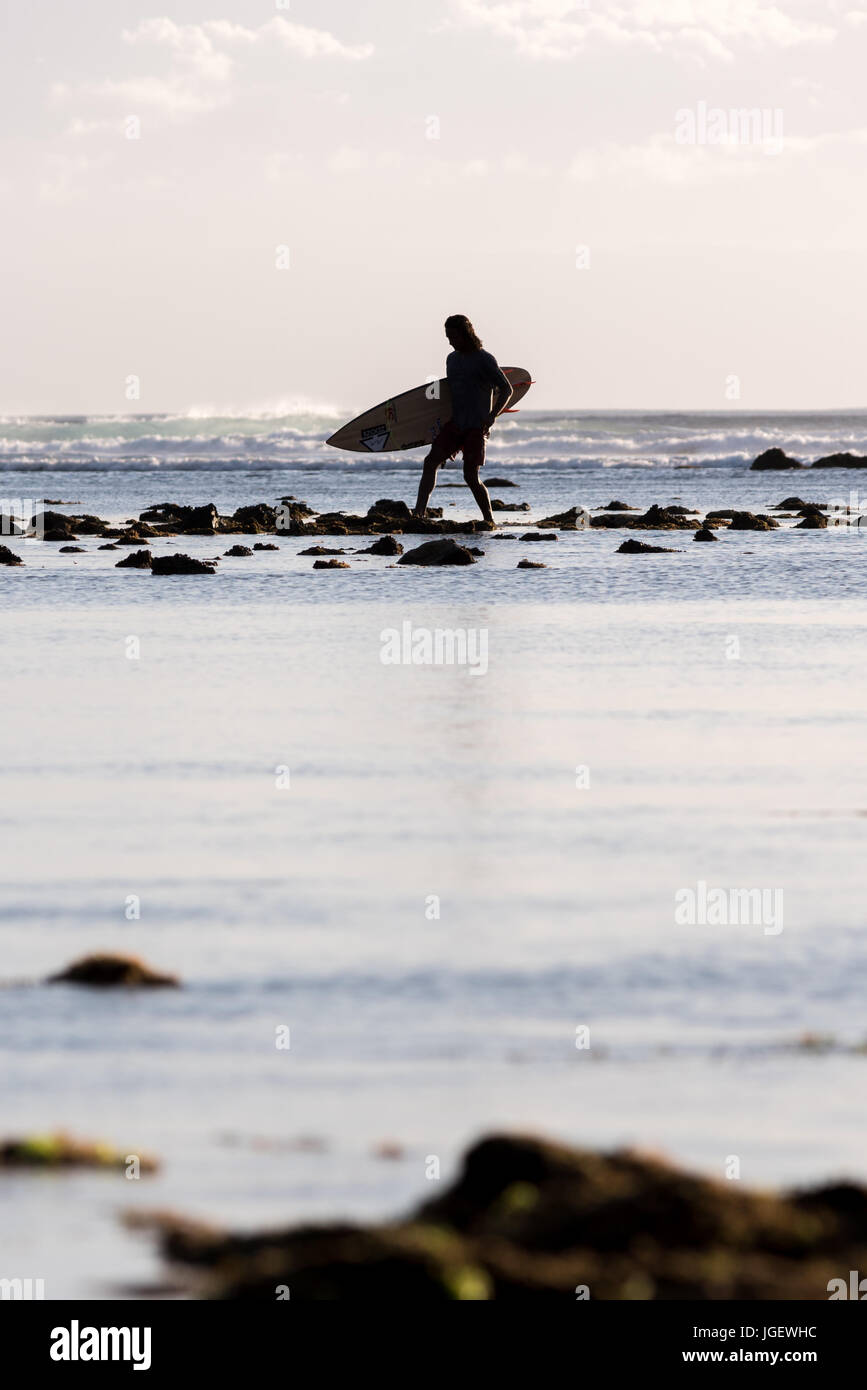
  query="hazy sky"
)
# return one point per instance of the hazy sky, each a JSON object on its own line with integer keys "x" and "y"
{"x": 419, "y": 158}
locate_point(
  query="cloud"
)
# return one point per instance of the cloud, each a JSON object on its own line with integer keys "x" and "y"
{"x": 662, "y": 160}
{"x": 203, "y": 62}
{"x": 561, "y": 29}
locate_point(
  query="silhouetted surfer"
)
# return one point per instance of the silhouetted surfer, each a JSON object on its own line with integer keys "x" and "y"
{"x": 479, "y": 391}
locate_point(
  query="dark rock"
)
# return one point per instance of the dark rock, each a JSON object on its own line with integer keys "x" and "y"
{"x": 845, "y": 460}
{"x": 616, "y": 506}
{"x": 640, "y": 548}
{"x": 181, "y": 564}
{"x": 72, "y": 550}
{"x": 704, "y": 534}
{"x": 55, "y": 525}
{"x": 499, "y": 482}
{"x": 747, "y": 521}
{"x": 387, "y": 546}
{"x": 535, "y": 536}
{"x": 774, "y": 459}
{"x": 8, "y": 557}
{"x": 185, "y": 519}
{"x": 330, "y": 565}
{"x": 665, "y": 518}
{"x": 109, "y": 545}
{"x": 136, "y": 560}
{"x": 443, "y": 552}
{"x": 386, "y": 509}
{"x": 813, "y": 521}
{"x": 320, "y": 550}
{"x": 90, "y": 525}
{"x": 656, "y": 518}
{"x": 811, "y": 509}
{"x": 107, "y": 969}
{"x": 261, "y": 517}
{"x": 789, "y": 502}
{"x": 265, "y": 545}
{"x": 290, "y": 516}
{"x": 140, "y": 531}
{"x": 475, "y": 550}
{"x": 721, "y": 514}
{"x": 239, "y": 552}
{"x": 498, "y": 506}
{"x": 530, "y": 565}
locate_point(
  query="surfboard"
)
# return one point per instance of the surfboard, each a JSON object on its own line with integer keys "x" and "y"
{"x": 413, "y": 419}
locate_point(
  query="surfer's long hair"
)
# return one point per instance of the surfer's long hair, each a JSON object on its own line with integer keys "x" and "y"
{"x": 459, "y": 326}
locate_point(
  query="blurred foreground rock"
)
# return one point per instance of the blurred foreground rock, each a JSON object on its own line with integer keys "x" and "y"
{"x": 532, "y": 1219}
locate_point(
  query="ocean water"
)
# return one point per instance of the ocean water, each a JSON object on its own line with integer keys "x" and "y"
{"x": 435, "y": 879}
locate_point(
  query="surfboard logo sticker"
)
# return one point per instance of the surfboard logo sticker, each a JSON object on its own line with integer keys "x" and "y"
{"x": 375, "y": 437}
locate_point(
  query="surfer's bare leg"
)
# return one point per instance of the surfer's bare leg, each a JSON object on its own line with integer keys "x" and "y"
{"x": 479, "y": 491}
{"x": 426, "y": 486}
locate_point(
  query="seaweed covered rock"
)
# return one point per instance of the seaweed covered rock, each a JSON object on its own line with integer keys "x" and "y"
{"x": 499, "y": 482}
{"x": 531, "y": 565}
{"x": 61, "y": 1150}
{"x": 108, "y": 969}
{"x": 442, "y": 552}
{"x": 632, "y": 547}
{"x": 54, "y": 525}
{"x": 813, "y": 521}
{"x": 239, "y": 552}
{"x": 331, "y": 565}
{"x": 774, "y": 459}
{"x": 527, "y": 1218}
{"x": 750, "y": 521}
{"x": 8, "y": 557}
{"x": 705, "y": 534}
{"x": 181, "y": 564}
{"x": 656, "y": 518}
{"x": 265, "y": 545}
{"x": 537, "y": 536}
{"x": 574, "y": 519}
{"x": 498, "y": 506}
{"x": 321, "y": 550}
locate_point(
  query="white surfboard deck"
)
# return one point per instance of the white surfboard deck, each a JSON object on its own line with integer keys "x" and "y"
{"x": 413, "y": 419}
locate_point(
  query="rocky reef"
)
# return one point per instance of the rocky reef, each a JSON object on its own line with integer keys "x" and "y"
{"x": 531, "y": 1219}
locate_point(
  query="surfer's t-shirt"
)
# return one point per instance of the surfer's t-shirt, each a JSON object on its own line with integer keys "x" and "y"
{"x": 472, "y": 378}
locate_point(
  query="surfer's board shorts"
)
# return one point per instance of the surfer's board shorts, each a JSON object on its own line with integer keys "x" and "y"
{"x": 451, "y": 440}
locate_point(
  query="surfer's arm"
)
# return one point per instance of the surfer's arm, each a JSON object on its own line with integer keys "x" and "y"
{"x": 502, "y": 391}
